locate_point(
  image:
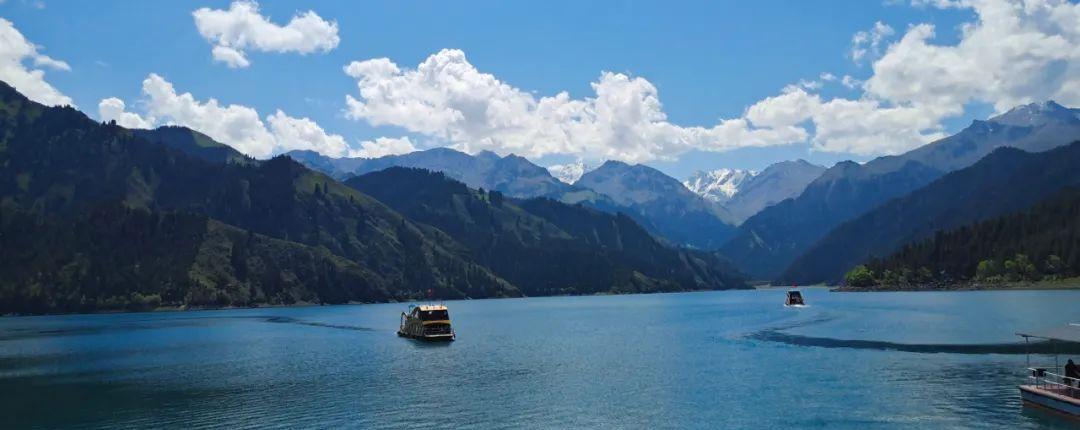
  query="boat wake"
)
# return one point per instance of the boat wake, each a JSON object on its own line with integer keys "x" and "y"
{"x": 779, "y": 334}
{"x": 773, "y": 335}
{"x": 161, "y": 322}
{"x": 289, "y": 320}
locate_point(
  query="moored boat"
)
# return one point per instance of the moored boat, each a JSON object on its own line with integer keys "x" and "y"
{"x": 427, "y": 322}
{"x": 1048, "y": 388}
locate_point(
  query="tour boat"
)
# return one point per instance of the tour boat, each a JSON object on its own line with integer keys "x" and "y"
{"x": 1052, "y": 390}
{"x": 794, "y": 298}
{"x": 426, "y": 322}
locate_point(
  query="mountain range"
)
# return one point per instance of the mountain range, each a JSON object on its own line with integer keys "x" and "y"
{"x": 694, "y": 216}
{"x": 99, "y": 217}
{"x": 1045, "y": 236}
{"x": 543, "y": 246}
{"x": 769, "y": 241}
{"x": 511, "y": 175}
{"x": 655, "y": 200}
{"x": 110, "y": 218}
{"x": 1006, "y": 181}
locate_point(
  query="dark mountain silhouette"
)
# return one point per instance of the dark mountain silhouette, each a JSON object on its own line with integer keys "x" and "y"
{"x": 680, "y": 217}
{"x": 56, "y": 164}
{"x": 1006, "y": 181}
{"x": 1046, "y": 236}
{"x": 193, "y": 143}
{"x": 544, "y": 246}
{"x": 511, "y": 175}
{"x": 94, "y": 216}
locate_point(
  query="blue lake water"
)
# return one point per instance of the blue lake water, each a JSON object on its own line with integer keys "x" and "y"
{"x": 734, "y": 359}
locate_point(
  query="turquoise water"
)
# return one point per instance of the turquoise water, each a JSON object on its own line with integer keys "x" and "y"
{"x": 735, "y": 359}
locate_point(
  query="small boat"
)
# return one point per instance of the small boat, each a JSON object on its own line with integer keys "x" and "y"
{"x": 427, "y": 322}
{"x": 794, "y": 298}
{"x": 1050, "y": 388}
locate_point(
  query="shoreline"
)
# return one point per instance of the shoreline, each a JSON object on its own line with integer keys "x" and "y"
{"x": 173, "y": 308}
{"x": 1068, "y": 284}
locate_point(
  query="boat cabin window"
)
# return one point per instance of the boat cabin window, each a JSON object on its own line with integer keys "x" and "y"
{"x": 434, "y": 315}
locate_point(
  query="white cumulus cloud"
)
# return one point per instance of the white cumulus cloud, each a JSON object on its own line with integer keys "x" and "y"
{"x": 240, "y": 126}
{"x": 15, "y": 52}
{"x": 384, "y": 146}
{"x": 242, "y": 28}
{"x": 1016, "y": 52}
{"x": 850, "y": 82}
{"x": 862, "y": 126}
{"x": 302, "y": 133}
{"x": 113, "y": 109}
{"x": 447, "y": 98}
{"x": 869, "y": 42}
{"x": 1012, "y": 52}
{"x": 236, "y": 125}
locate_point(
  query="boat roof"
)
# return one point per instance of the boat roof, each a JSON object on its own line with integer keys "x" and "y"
{"x": 432, "y": 307}
{"x": 1066, "y": 333}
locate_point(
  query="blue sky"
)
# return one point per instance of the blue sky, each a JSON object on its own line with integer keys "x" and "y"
{"x": 708, "y": 61}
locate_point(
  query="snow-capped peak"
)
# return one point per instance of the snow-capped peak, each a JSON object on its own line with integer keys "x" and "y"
{"x": 718, "y": 185}
{"x": 1034, "y": 114}
{"x": 568, "y": 173}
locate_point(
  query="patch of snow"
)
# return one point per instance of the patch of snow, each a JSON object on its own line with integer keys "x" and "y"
{"x": 568, "y": 173}
{"x": 718, "y": 185}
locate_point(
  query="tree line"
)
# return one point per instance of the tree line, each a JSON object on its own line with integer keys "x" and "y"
{"x": 1041, "y": 243}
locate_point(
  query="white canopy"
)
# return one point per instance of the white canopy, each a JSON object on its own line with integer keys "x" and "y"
{"x": 1067, "y": 333}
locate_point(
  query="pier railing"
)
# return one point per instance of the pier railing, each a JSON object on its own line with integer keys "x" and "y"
{"x": 1054, "y": 383}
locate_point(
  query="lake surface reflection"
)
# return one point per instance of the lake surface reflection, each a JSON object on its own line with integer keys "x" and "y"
{"x": 734, "y": 359}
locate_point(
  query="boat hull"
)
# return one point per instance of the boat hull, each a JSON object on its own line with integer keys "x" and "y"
{"x": 1035, "y": 396}
{"x": 429, "y": 337}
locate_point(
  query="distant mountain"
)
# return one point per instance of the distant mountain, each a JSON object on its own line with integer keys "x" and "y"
{"x": 1006, "y": 181}
{"x": 512, "y": 175}
{"x": 568, "y": 173}
{"x": 193, "y": 143}
{"x": 1046, "y": 235}
{"x": 778, "y": 182}
{"x": 337, "y": 168}
{"x": 96, "y": 217}
{"x": 545, "y": 247}
{"x": 679, "y": 216}
{"x": 770, "y": 240}
{"x": 1034, "y": 127}
{"x": 718, "y": 185}
{"x": 667, "y": 207}
{"x": 56, "y": 165}
{"x": 518, "y": 178}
